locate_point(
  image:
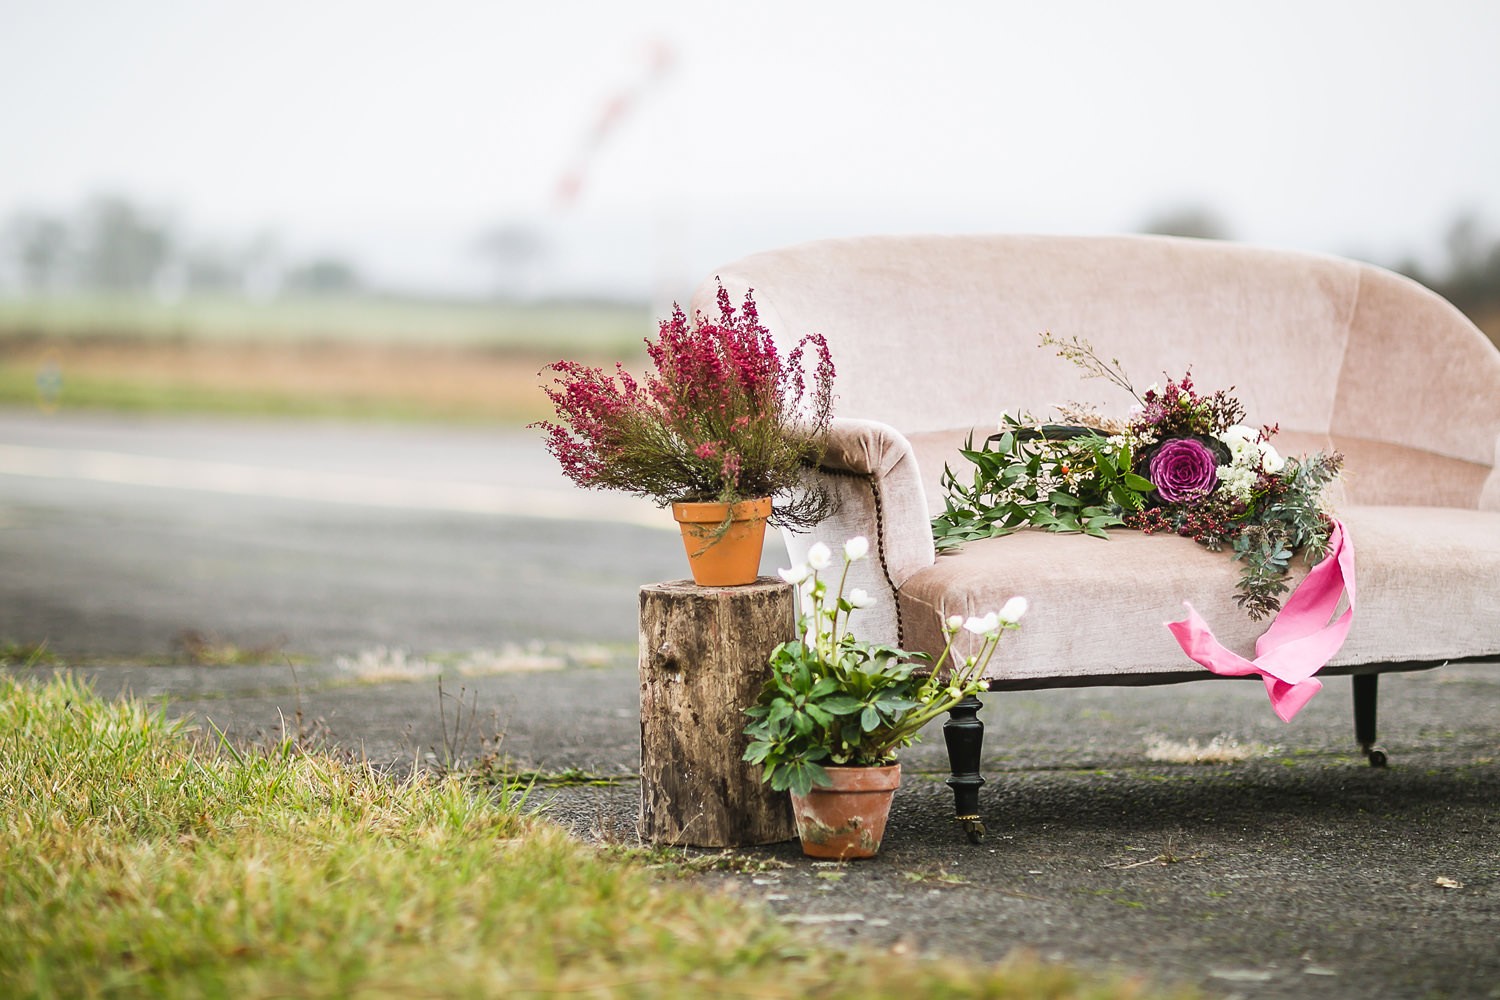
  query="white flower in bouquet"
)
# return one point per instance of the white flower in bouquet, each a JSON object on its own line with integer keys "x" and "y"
{"x": 1270, "y": 462}
{"x": 1240, "y": 440}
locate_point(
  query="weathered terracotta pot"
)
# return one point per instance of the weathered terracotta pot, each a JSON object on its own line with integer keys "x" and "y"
{"x": 847, "y": 820}
{"x": 721, "y": 556}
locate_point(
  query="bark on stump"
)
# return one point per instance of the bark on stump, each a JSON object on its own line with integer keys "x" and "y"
{"x": 703, "y": 653}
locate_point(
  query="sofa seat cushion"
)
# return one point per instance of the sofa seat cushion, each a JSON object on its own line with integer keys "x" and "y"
{"x": 1428, "y": 584}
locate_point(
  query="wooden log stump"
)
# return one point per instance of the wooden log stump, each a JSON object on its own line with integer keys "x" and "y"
{"x": 703, "y": 653}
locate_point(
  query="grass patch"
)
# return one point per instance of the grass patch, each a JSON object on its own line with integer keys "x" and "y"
{"x": 1222, "y": 749}
{"x": 206, "y": 649}
{"x": 27, "y": 654}
{"x": 570, "y": 777}
{"x": 936, "y": 875}
{"x": 139, "y": 861}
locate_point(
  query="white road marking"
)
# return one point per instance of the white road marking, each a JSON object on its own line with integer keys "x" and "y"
{"x": 327, "y": 487}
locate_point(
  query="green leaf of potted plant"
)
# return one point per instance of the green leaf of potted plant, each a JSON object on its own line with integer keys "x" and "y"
{"x": 835, "y": 709}
{"x": 720, "y": 426}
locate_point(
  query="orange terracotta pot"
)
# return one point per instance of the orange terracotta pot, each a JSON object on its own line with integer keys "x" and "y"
{"x": 720, "y": 555}
{"x": 848, "y": 820}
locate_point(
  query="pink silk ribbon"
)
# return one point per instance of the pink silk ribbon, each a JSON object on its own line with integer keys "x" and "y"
{"x": 1299, "y": 642}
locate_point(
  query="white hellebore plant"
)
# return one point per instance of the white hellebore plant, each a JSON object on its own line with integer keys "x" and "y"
{"x": 1013, "y": 610}
{"x": 987, "y": 625}
{"x": 837, "y": 700}
{"x": 796, "y": 574}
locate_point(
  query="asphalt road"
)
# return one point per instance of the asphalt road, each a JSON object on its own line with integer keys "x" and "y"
{"x": 119, "y": 535}
{"x": 1281, "y": 866}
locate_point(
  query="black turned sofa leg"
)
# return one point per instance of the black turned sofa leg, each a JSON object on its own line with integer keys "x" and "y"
{"x": 964, "y": 734}
{"x": 1366, "y": 696}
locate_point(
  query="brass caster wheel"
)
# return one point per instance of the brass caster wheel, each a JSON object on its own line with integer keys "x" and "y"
{"x": 1376, "y": 756}
{"x": 973, "y": 828}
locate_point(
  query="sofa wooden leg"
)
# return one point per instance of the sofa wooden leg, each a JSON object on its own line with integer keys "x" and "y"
{"x": 1366, "y": 695}
{"x": 964, "y": 734}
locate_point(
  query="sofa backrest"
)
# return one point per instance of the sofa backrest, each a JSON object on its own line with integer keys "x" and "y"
{"x": 933, "y": 333}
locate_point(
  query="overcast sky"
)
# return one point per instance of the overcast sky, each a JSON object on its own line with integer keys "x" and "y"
{"x": 396, "y": 132}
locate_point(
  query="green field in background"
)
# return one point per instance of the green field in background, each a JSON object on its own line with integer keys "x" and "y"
{"x": 592, "y": 328}
{"x": 475, "y": 361}
{"x": 166, "y": 397}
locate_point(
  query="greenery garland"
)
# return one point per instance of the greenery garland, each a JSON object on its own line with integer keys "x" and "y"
{"x": 1182, "y": 464}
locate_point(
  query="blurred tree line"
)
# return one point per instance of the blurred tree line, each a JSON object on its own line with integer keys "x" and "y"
{"x": 113, "y": 245}
{"x": 1468, "y": 276}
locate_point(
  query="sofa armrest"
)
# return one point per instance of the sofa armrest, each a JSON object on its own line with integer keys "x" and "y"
{"x": 883, "y": 455}
{"x": 871, "y": 471}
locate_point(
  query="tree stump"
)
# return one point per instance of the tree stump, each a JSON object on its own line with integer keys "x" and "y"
{"x": 703, "y": 653}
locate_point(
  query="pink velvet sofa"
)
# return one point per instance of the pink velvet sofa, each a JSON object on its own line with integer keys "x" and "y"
{"x": 935, "y": 336}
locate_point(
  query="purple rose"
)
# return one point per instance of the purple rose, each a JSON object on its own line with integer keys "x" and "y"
{"x": 1183, "y": 469}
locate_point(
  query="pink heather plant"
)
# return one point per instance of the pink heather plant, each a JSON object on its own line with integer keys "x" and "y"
{"x": 722, "y": 417}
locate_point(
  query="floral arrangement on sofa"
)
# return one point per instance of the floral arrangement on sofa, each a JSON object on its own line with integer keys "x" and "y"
{"x": 1182, "y": 462}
